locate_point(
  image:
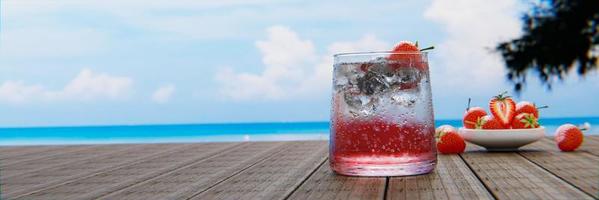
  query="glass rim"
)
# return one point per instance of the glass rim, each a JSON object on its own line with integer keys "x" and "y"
{"x": 369, "y": 53}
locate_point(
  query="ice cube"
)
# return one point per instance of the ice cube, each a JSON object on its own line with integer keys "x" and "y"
{"x": 407, "y": 77}
{"x": 404, "y": 98}
{"x": 372, "y": 83}
{"x": 352, "y": 99}
{"x": 341, "y": 82}
{"x": 350, "y": 71}
{"x": 380, "y": 68}
{"x": 360, "y": 104}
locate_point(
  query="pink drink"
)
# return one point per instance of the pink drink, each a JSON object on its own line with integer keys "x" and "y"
{"x": 382, "y": 116}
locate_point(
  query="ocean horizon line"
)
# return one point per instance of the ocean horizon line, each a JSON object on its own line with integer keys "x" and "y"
{"x": 594, "y": 120}
{"x": 210, "y": 132}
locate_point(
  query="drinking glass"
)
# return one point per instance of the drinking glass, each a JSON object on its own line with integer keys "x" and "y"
{"x": 382, "y": 121}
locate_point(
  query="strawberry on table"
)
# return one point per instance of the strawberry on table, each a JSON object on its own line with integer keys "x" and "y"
{"x": 524, "y": 121}
{"x": 568, "y": 137}
{"x": 444, "y": 128}
{"x": 489, "y": 122}
{"x": 503, "y": 108}
{"x": 450, "y": 141}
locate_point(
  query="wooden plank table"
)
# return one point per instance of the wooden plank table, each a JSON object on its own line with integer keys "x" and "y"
{"x": 287, "y": 170}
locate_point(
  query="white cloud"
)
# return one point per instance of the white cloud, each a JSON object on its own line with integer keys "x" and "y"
{"x": 89, "y": 85}
{"x": 284, "y": 48}
{"x": 163, "y": 94}
{"x": 285, "y": 57}
{"x": 18, "y": 92}
{"x": 473, "y": 29}
{"x": 86, "y": 86}
{"x": 292, "y": 67}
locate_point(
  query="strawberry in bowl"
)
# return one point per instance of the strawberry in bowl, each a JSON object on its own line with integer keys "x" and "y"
{"x": 473, "y": 116}
{"x": 503, "y": 108}
{"x": 508, "y": 126}
{"x": 528, "y": 107}
{"x": 524, "y": 121}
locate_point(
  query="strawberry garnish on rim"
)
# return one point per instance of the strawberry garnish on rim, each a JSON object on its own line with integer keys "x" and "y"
{"x": 408, "y": 52}
{"x": 503, "y": 108}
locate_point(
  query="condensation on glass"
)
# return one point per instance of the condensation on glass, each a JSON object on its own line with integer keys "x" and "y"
{"x": 382, "y": 115}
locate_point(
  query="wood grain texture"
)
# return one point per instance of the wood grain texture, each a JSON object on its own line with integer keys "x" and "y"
{"x": 281, "y": 170}
{"x": 46, "y": 154}
{"x": 591, "y": 145}
{"x": 508, "y": 175}
{"x": 187, "y": 181}
{"x": 273, "y": 178}
{"x": 325, "y": 184}
{"x": 117, "y": 178}
{"x": 32, "y": 182}
{"x": 24, "y": 152}
{"x": 452, "y": 179}
{"x": 578, "y": 168}
{"x": 68, "y": 157}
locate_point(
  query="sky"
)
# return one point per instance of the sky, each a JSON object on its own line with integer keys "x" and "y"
{"x": 99, "y": 62}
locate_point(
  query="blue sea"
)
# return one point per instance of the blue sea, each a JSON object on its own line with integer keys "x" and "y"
{"x": 231, "y": 132}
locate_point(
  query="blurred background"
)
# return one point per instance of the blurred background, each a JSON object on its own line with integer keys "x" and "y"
{"x": 92, "y": 62}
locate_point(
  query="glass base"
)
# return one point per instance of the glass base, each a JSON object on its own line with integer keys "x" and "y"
{"x": 368, "y": 169}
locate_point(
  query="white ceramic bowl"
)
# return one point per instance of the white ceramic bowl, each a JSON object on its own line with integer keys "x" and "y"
{"x": 502, "y": 139}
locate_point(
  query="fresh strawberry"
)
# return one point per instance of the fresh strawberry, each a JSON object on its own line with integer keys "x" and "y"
{"x": 568, "y": 137}
{"x": 489, "y": 122}
{"x": 450, "y": 141}
{"x": 472, "y": 116}
{"x": 527, "y": 107}
{"x": 525, "y": 120}
{"x": 444, "y": 128}
{"x": 405, "y": 54}
{"x": 405, "y": 47}
{"x": 503, "y": 108}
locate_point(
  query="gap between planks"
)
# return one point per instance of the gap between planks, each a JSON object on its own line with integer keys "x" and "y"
{"x": 519, "y": 179}
{"x": 574, "y": 168}
{"x": 125, "y": 177}
{"x": 274, "y": 177}
{"x": 325, "y": 184}
{"x": 451, "y": 179}
{"x": 91, "y": 170}
{"x": 194, "y": 179}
